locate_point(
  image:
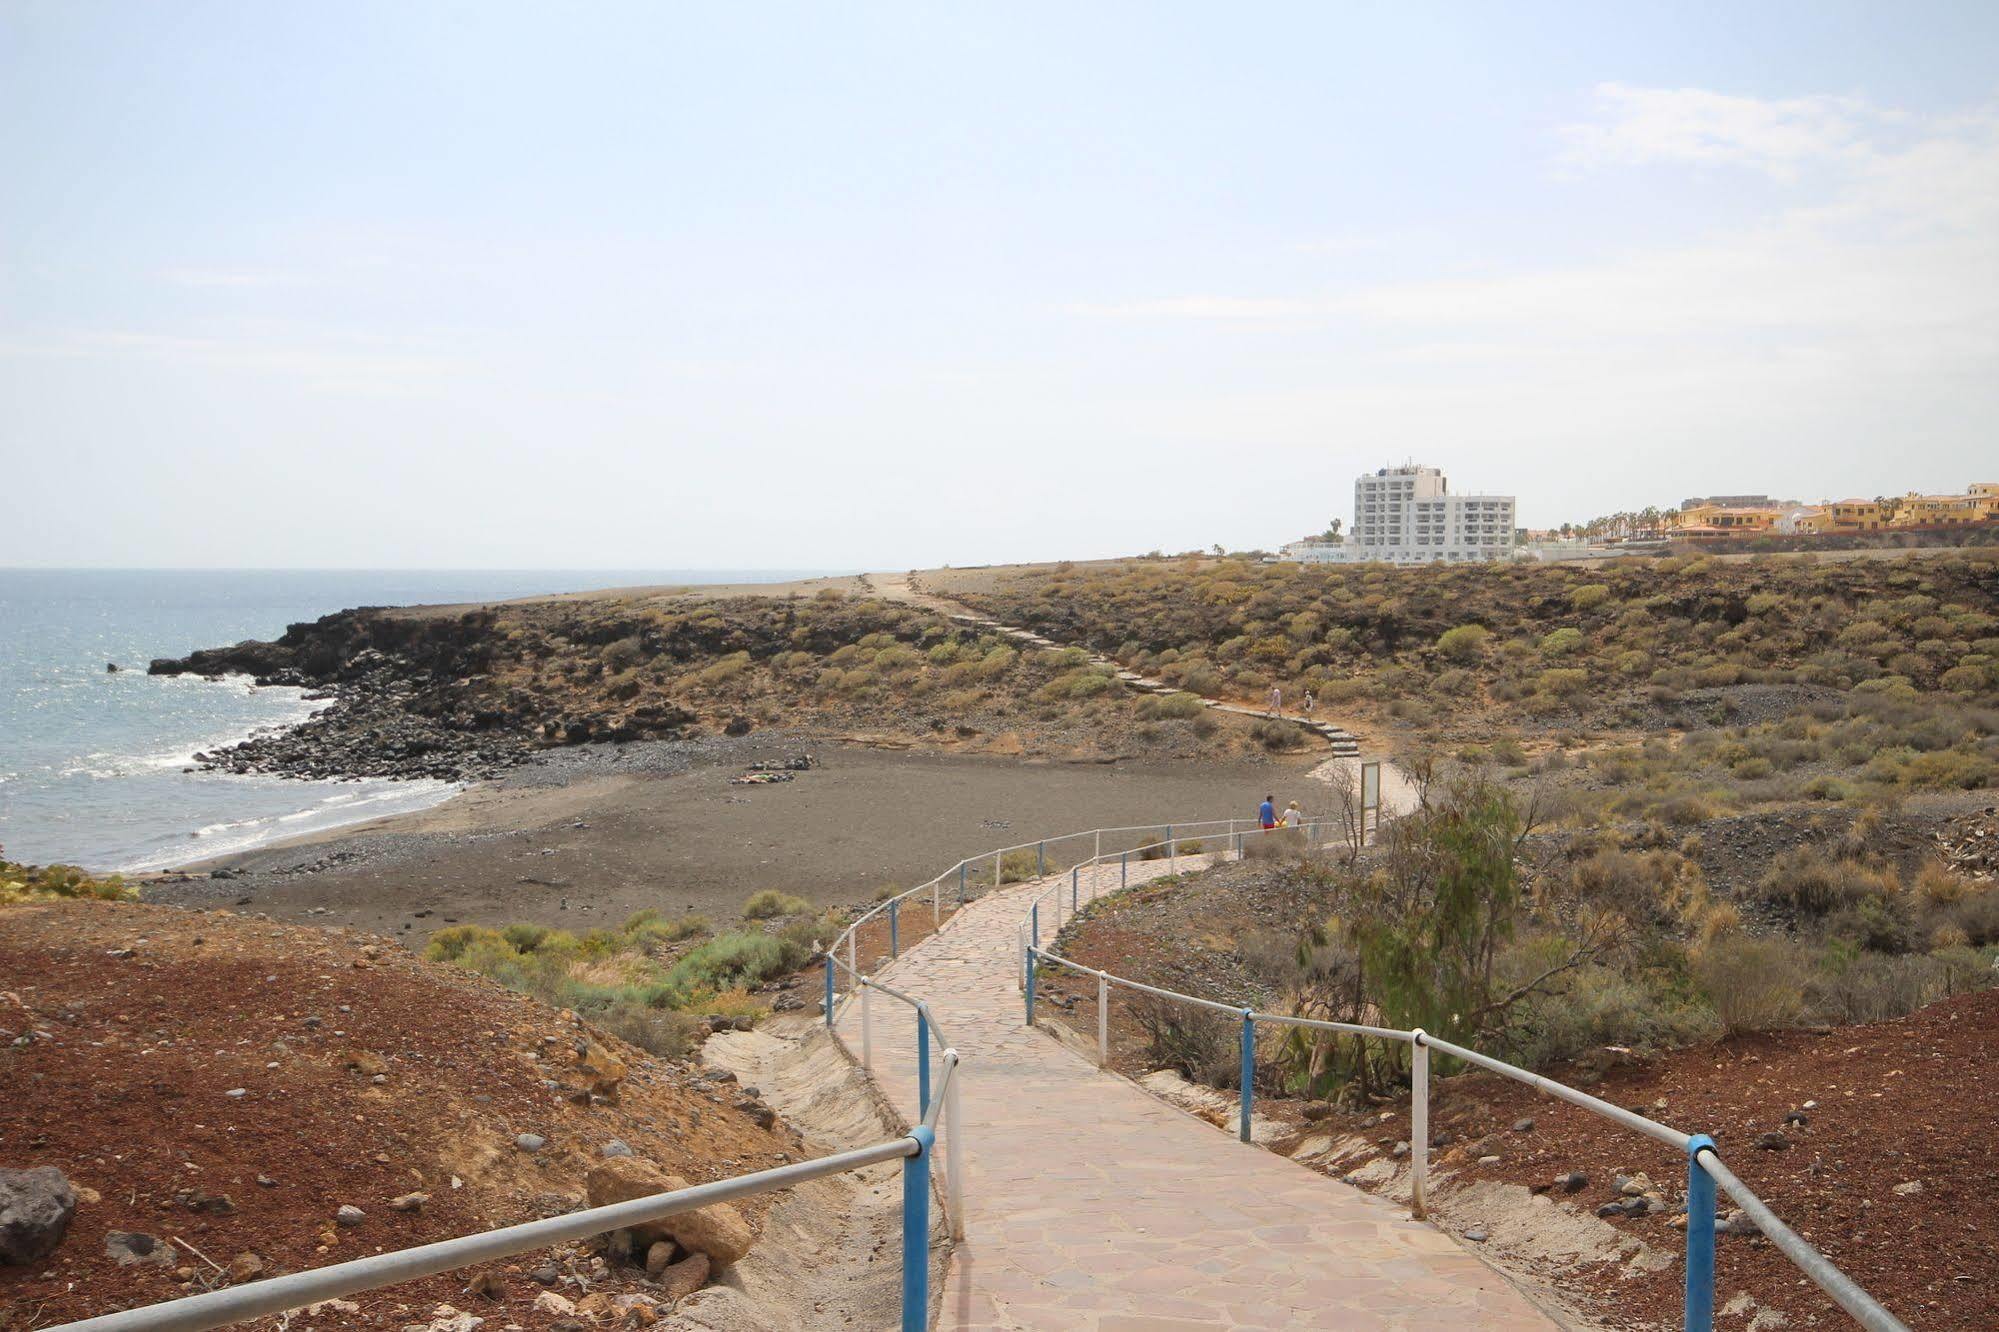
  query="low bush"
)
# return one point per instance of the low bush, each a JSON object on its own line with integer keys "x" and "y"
{"x": 28, "y": 883}
{"x": 1170, "y": 707}
{"x": 770, "y": 903}
{"x": 1753, "y": 984}
{"x": 1464, "y": 643}
{"x": 1814, "y": 884}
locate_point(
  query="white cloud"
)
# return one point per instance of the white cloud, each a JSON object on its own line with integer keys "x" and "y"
{"x": 1641, "y": 125}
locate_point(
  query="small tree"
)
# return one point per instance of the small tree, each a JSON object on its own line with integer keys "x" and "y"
{"x": 1428, "y": 927}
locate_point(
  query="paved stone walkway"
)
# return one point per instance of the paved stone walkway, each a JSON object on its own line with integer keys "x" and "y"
{"x": 1090, "y": 1206}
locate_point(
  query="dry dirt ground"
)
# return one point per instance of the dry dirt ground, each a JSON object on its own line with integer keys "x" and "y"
{"x": 1892, "y": 1173}
{"x": 603, "y": 845}
{"x": 364, "y": 1075}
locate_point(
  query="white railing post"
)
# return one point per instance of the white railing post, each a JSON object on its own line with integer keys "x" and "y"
{"x": 936, "y": 910}
{"x": 867, "y": 1029}
{"x": 853, "y": 969}
{"x": 1419, "y": 1124}
{"x": 954, "y": 1150}
{"x": 1103, "y": 1022}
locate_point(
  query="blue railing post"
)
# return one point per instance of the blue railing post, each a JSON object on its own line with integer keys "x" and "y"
{"x": 894, "y": 938}
{"x": 1035, "y": 912}
{"x": 1041, "y": 860}
{"x": 1700, "y": 1238}
{"x": 1248, "y": 1070}
{"x": 963, "y": 866}
{"x": 922, "y": 1065}
{"x": 1124, "y": 869}
{"x": 1075, "y": 881}
{"x": 916, "y": 1233}
{"x": 829, "y": 989}
{"x": 1030, "y": 987}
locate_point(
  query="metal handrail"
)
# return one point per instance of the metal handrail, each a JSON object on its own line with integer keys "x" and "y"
{"x": 237, "y": 1304}
{"x": 1705, "y": 1167}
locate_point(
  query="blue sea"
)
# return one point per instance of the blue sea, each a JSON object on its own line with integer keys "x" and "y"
{"x": 93, "y": 763}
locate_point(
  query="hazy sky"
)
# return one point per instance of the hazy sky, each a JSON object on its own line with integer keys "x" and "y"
{"x": 609, "y": 285}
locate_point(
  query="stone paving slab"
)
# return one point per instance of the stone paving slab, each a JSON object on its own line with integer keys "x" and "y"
{"x": 1094, "y": 1207}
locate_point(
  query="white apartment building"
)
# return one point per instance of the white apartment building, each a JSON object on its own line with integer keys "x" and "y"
{"x": 1407, "y": 515}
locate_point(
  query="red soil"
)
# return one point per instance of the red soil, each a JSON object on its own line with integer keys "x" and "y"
{"x": 122, "y": 1083}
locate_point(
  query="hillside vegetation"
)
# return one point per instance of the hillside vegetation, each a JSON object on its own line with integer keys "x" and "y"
{"x": 1792, "y": 678}
{"x": 461, "y": 695}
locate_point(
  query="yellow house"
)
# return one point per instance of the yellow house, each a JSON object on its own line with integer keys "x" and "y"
{"x": 1938, "y": 510}
{"x": 1814, "y": 521}
{"x": 1856, "y": 515}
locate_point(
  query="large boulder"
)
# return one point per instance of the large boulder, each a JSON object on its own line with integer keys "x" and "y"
{"x": 35, "y": 1208}
{"x": 717, "y": 1230}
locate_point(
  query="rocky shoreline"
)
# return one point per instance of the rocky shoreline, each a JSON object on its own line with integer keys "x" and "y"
{"x": 411, "y": 699}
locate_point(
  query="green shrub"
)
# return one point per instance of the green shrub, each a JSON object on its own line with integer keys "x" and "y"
{"x": 451, "y": 942}
{"x": 1589, "y": 596}
{"x": 1598, "y": 1006}
{"x": 523, "y": 938}
{"x": 27, "y": 883}
{"x": 1562, "y": 642}
{"x": 1170, "y": 707}
{"x": 771, "y": 903}
{"x": 1466, "y": 642}
{"x": 1753, "y": 984}
{"x": 1809, "y": 882}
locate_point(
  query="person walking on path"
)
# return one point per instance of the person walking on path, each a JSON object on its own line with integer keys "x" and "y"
{"x": 1293, "y": 816}
{"x": 1266, "y": 813}
{"x": 1308, "y": 704}
{"x": 1276, "y": 701}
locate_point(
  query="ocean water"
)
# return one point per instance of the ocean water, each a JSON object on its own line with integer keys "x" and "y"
{"x": 92, "y": 763}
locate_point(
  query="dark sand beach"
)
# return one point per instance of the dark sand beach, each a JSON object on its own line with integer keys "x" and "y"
{"x": 587, "y": 836}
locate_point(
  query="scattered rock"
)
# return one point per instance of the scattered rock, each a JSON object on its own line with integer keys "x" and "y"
{"x": 245, "y": 1266}
{"x": 1523, "y": 1125}
{"x": 1908, "y": 1188}
{"x": 659, "y": 1257}
{"x": 1477, "y": 1236}
{"x": 615, "y": 1147}
{"x": 445, "y": 1318}
{"x": 1573, "y": 1182}
{"x": 530, "y": 1142}
{"x": 1318, "y": 1110}
{"x": 1773, "y": 1141}
{"x": 545, "y": 1275}
{"x": 605, "y": 1071}
{"x": 686, "y": 1276}
{"x": 349, "y": 1215}
{"x": 131, "y": 1248}
{"x": 35, "y": 1208}
{"x": 488, "y": 1285}
{"x": 718, "y": 1230}
{"x": 213, "y": 1204}
{"x": 549, "y": 1302}
{"x": 1797, "y": 1117}
{"x": 409, "y": 1202}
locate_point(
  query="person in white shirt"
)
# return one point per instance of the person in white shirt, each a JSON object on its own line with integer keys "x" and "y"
{"x": 1276, "y": 701}
{"x": 1293, "y": 816}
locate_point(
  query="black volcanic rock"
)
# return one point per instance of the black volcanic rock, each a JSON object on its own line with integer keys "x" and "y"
{"x": 412, "y": 698}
